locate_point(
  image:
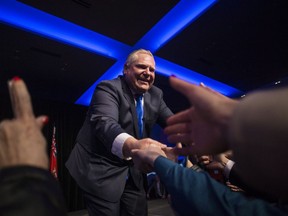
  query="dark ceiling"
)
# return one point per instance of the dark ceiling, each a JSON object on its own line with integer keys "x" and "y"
{"x": 242, "y": 43}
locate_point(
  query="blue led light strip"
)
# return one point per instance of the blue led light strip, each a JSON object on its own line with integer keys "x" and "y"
{"x": 28, "y": 18}
{"x": 173, "y": 23}
{"x": 167, "y": 68}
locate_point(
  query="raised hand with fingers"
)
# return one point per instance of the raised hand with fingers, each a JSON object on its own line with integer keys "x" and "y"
{"x": 21, "y": 139}
{"x": 203, "y": 127}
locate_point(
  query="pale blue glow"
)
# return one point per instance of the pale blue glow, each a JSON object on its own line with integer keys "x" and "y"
{"x": 30, "y": 19}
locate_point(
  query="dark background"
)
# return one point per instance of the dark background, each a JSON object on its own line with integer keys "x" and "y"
{"x": 242, "y": 43}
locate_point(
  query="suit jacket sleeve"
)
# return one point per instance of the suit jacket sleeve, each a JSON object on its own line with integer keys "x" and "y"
{"x": 259, "y": 139}
{"x": 104, "y": 113}
{"x": 30, "y": 191}
{"x": 196, "y": 193}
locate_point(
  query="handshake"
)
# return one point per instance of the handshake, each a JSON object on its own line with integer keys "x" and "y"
{"x": 144, "y": 158}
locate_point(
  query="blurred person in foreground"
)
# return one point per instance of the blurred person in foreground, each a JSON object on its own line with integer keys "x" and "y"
{"x": 253, "y": 126}
{"x": 26, "y": 186}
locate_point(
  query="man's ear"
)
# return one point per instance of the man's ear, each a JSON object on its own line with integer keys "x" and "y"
{"x": 125, "y": 69}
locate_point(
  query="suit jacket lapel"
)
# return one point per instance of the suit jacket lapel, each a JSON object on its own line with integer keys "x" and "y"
{"x": 130, "y": 100}
{"x": 147, "y": 99}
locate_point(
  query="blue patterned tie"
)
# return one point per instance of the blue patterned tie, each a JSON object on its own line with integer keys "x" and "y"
{"x": 139, "y": 109}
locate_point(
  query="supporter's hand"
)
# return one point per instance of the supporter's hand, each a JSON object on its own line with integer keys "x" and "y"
{"x": 144, "y": 158}
{"x": 170, "y": 153}
{"x": 204, "y": 160}
{"x": 202, "y": 127}
{"x": 21, "y": 139}
{"x": 234, "y": 187}
{"x": 132, "y": 143}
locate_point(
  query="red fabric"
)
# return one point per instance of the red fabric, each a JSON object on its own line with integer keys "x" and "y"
{"x": 53, "y": 156}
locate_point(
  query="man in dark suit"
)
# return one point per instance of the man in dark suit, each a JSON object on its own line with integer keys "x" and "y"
{"x": 101, "y": 159}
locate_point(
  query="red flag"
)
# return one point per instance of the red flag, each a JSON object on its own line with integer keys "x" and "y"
{"x": 53, "y": 156}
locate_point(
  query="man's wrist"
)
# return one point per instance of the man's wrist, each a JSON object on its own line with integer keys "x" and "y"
{"x": 117, "y": 146}
{"x": 129, "y": 144}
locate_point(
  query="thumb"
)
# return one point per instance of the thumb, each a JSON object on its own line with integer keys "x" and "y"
{"x": 197, "y": 95}
{"x": 181, "y": 86}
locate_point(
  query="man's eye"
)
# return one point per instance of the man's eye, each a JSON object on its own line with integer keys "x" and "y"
{"x": 145, "y": 67}
{"x": 141, "y": 66}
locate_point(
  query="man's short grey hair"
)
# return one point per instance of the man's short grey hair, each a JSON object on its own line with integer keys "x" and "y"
{"x": 132, "y": 57}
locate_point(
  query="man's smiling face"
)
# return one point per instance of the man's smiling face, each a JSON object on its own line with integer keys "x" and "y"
{"x": 140, "y": 74}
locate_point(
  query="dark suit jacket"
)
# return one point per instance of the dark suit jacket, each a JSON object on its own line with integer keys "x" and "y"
{"x": 27, "y": 190}
{"x": 112, "y": 111}
{"x": 196, "y": 193}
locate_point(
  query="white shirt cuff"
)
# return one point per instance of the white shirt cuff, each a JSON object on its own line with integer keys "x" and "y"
{"x": 118, "y": 143}
{"x": 228, "y": 168}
